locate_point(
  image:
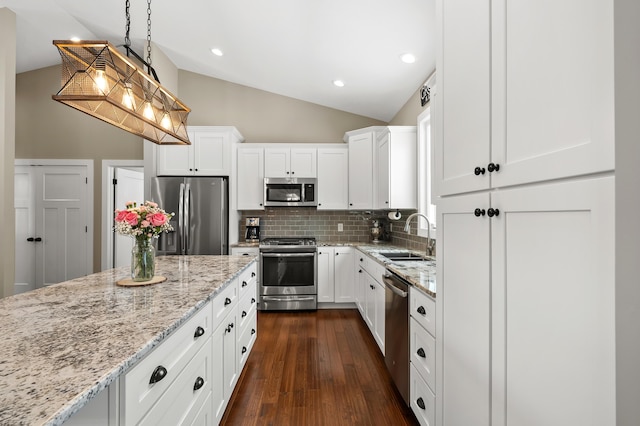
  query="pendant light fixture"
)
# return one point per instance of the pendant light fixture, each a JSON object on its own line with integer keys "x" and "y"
{"x": 99, "y": 80}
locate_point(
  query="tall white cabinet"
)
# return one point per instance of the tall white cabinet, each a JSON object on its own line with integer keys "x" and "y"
{"x": 524, "y": 161}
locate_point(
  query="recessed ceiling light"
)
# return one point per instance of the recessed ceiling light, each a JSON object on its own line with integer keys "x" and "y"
{"x": 408, "y": 58}
{"x": 338, "y": 83}
{"x": 217, "y": 51}
{"x": 75, "y": 39}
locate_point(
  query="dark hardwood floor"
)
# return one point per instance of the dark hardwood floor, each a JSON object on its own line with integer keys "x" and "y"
{"x": 315, "y": 368}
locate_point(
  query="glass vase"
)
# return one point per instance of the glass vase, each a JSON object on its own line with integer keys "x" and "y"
{"x": 143, "y": 259}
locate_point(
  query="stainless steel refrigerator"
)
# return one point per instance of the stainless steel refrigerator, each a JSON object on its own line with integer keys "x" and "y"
{"x": 201, "y": 212}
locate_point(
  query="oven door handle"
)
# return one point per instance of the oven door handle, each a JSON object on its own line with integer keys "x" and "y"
{"x": 288, "y": 254}
{"x": 284, "y": 299}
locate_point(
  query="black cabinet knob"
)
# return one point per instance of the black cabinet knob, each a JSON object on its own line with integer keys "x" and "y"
{"x": 293, "y": 173}
{"x": 287, "y": 172}
{"x": 359, "y": 271}
{"x": 158, "y": 374}
{"x": 361, "y": 260}
{"x": 199, "y": 332}
{"x": 244, "y": 314}
{"x": 421, "y": 353}
{"x": 350, "y": 204}
{"x": 244, "y": 283}
{"x": 493, "y": 212}
{"x": 478, "y": 212}
{"x": 196, "y": 170}
{"x": 227, "y": 301}
{"x": 244, "y": 349}
{"x": 30, "y": 239}
{"x": 38, "y": 239}
{"x": 420, "y": 403}
{"x": 421, "y": 310}
{"x": 478, "y": 171}
{"x": 493, "y": 167}
{"x": 198, "y": 384}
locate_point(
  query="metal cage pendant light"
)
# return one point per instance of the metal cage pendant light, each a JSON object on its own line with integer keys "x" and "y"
{"x": 99, "y": 80}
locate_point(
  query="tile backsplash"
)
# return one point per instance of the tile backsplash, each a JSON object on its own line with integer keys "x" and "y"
{"x": 323, "y": 224}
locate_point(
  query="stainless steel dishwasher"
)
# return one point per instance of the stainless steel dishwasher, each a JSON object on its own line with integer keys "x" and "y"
{"x": 396, "y": 334}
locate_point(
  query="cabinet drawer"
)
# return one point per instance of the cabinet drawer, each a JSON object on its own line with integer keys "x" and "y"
{"x": 423, "y": 401}
{"x": 247, "y": 339}
{"x": 225, "y": 301}
{"x": 423, "y": 309}
{"x": 247, "y": 279}
{"x": 172, "y": 355}
{"x": 182, "y": 401}
{"x": 247, "y": 306}
{"x": 423, "y": 352}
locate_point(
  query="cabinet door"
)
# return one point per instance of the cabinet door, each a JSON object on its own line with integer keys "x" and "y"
{"x": 360, "y": 282}
{"x": 361, "y": 171}
{"x": 553, "y": 304}
{"x": 464, "y": 83}
{"x": 217, "y": 371}
{"x": 212, "y": 154}
{"x": 557, "y": 88}
{"x": 378, "y": 322}
{"x": 303, "y": 163}
{"x": 176, "y": 160}
{"x": 343, "y": 275}
{"x": 277, "y": 162}
{"x": 250, "y": 179}
{"x": 384, "y": 147}
{"x": 325, "y": 275}
{"x": 402, "y": 168}
{"x": 463, "y": 311}
{"x": 333, "y": 176}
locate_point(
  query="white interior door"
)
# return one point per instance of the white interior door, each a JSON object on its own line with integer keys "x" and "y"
{"x": 52, "y": 224}
{"x": 24, "y": 205}
{"x": 129, "y": 187}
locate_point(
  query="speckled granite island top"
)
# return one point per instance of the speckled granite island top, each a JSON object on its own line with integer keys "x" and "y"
{"x": 63, "y": 344}
{"x": 422, "y": 274}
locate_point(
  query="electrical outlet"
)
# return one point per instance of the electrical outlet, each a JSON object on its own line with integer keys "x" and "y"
{"x": 340, "y": 227}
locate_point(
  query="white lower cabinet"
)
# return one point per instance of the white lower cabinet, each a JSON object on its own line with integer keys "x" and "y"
{"x": 525, "y": 308}
{"x": 335, "y": 274}
{"x": 423, "y": 400}
{"x": 371, "y": 295}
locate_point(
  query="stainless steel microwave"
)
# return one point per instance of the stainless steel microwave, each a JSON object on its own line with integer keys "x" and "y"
{"x": 290, "y": 192}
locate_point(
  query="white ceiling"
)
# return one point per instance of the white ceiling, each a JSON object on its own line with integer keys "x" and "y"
{"x": 294, "y": 48}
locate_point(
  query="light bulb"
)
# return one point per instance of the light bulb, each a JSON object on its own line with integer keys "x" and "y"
{"x": 148, "y": 110}
{"x": 166, "y": 121}
{"x": 127, "y": 97}
{"x": 101, "y": 81}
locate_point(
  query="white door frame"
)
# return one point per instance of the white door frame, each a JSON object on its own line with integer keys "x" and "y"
{"x": 67, "y": 162}
{"x": 108, "y": 173}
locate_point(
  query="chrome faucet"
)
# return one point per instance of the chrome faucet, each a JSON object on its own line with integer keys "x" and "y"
{"x": 407, "y": 229}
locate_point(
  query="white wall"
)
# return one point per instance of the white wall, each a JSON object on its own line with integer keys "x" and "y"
{"x": 7, "y": 148}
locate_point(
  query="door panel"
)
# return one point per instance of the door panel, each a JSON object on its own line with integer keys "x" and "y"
{"x": 24, "y": 205}
{"x": 130, "y": 187}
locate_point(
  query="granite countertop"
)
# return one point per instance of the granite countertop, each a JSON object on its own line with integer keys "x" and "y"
{"x": 65, "y": 343}
{"x": 421, "y": 274}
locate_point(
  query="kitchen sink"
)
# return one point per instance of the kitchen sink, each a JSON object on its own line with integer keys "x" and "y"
{"x": 402, "y": 256}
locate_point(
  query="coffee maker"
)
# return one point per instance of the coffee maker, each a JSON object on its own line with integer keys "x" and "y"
{"x": 252, "y": 234}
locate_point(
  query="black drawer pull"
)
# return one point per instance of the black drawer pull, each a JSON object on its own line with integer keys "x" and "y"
{"x": 30, "y": 239}
{"x": 421, "y": 310}
{"x": 478, "y": 171}
{"x": 478, "y": 212}
{"x": 253, "y": 300}
{"x": 493, "y": 167}
{"x": 244, "y": 314}
{"x": 244, "y": 349}
{"x": 253, "y": 274}
{"x": 244, "y": 283}
{"x": 199, "y": 332}
{"x": 38, "y": 239}
{"x": 253, "y": 331}
{"x": 158, "y": 374}
{"x": 420, "y": 403}
{"x": 227, "y": 301}
{"x": 198, "y": 384}
{"x": 421, "y": 353}
{"x": 493, "y": 212}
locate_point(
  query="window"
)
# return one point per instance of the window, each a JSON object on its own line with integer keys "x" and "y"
{"x": 425, "y": 134}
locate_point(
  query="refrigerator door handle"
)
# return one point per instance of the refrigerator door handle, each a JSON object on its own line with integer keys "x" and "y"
{"x": 187, "y": 205}
{"x": 181, "y": 218}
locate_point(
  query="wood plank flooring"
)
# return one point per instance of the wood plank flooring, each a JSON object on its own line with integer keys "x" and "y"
{"x": 315, "y": 368}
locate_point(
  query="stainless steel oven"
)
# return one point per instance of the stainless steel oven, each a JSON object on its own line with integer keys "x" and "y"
{"x": 288, "y": 274}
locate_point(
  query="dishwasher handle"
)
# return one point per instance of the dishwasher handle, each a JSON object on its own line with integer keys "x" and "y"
{"x": 388, "y": 282}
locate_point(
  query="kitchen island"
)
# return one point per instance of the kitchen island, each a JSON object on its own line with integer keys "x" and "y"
{"x": 63, "y": 344}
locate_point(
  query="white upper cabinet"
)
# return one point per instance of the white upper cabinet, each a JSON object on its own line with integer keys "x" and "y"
{"x": 397, "y": 168}
{"x": 333, "y": 179}
{"x": 294, "y": 162}
{"x": 250, "y": 178}
{"x": 361, "y": 168}
{"x": 530, "y": 108}
{"x": 208, "y": 155}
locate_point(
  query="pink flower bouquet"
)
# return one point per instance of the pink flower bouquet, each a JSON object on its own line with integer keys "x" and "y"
{"x": 144, "y": 221}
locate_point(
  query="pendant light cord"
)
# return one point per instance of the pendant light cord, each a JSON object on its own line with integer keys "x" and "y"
{"x": 127, "y": 40}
